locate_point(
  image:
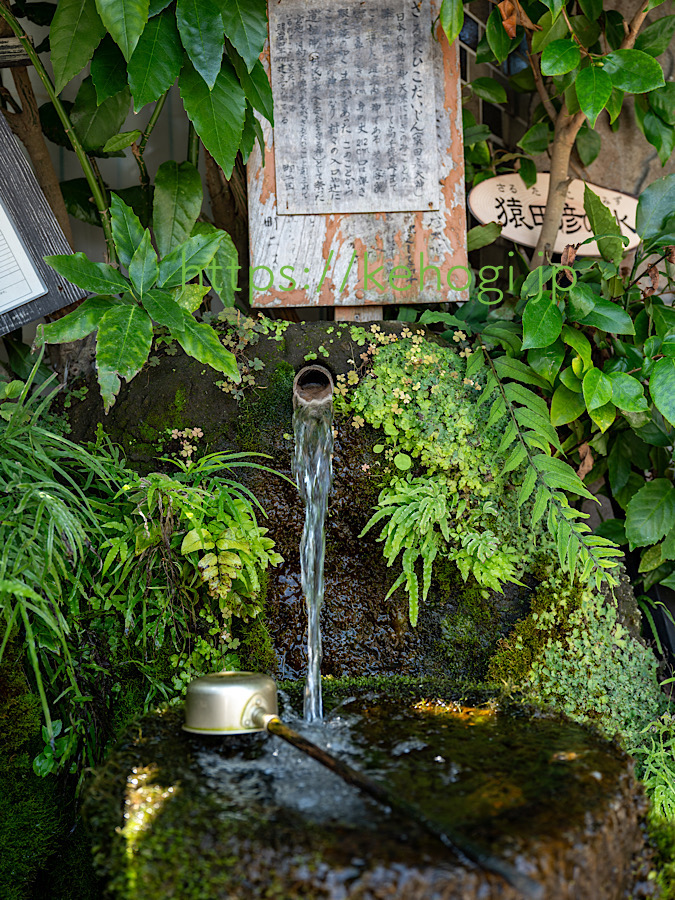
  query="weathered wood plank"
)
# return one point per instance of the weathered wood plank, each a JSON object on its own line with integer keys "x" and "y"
{"x": 12, "y": 53}
{"x": 357, "y": 259}
{"x": 39, "y": 230}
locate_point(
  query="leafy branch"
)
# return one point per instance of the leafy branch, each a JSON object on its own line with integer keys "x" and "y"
{"x": 547, "y": 477}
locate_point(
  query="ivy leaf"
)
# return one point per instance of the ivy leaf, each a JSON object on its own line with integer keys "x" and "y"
{"x": 246, "y": 27}
{"x": 125, "y": 21}
{"x": 662, "y": 388}
{"x": 542, "y": 322}
{"x": 633, "y": 70}
{"x": 200, "y": 25}
{"x": 77, "y": 324}
{"x": 537, "y": 138}
{"x": 177, "y": 202}
{"x": 603, "y": 222}
{"x": 201, "y": 342}
{"x": 126, "y": 228}
{"x": 143, "y": 268}
{"x": 188, "y": 260}
{"x": 99, "y": 278}
{"x": 223, "y": 269}
{"x": 255, "y": 84}
{"x": 108, "y": 69}
{"x": 76, "y": 31}
{"x": 597, "y": 389}
{"x": 566, "y": 406}
{"x": 650, "y": 515}
{"x": 452, "y": 18}
{"x": 156, "y": 61}
{"x": 656, "y": 37}
{"x": 560, "y": 57}
{"x": 594, "y": 88}
{"x": 121, "y": 141}
{"x": 94, "y": 124}
{"x": 164, "y": 310}
{"x": 218, "y": 115}
{"x": 497, "y": 38}
{"x": 610, "y": 317}
{"x": 122, "y": 346}
{"x": 627, "y": 392}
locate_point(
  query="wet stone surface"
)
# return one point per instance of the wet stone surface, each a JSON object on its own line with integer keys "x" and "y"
{"x": 244, "y": 817}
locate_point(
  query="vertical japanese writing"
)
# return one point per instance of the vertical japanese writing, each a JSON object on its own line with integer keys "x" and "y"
{"x": 354, "y": 106}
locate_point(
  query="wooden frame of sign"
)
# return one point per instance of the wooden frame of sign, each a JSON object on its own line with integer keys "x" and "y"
{"x": 38, "y": 230}
{"x": 347, "y": 75}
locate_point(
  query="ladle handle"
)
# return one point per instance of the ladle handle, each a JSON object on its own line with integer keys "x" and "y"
{"x": 464, "y": 850}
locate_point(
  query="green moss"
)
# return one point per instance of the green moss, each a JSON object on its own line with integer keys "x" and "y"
{"x": 267, "y": 413}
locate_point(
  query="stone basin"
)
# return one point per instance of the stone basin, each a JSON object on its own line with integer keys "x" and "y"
{"x": 239, "y": 818}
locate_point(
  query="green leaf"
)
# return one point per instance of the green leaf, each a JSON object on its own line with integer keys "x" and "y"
{"x": 546, "y": 361}
{"x": 125, "y": 21}
{"x": 603, "y": 222}
{"x": 592, "y": 9}
{"x": 201, "y": 342}
{"x": 190, "y": 297}
{"x": 255, "y": 84}
{"x": 197, "y": 539}
{"x": 164, "y": 310}
{"x": 489, "y": 89}
{"x": 200, "y": 25}
{"x": 497, "y": 38}
{"x": 655, "y": 206}
{"x": 218, "y": 115}
{"x": 122, "y": 346}
{"x": 618, "y": 466}
{"x": 222, "y": 271}
{"x": 482, "y": 235}
{"x": 535, "y": 281}
{"x": 508, "y": 367}
{"x": 597, "y": 389}
{"x": 452, "y": 18}
{"x": 126, "y": 228}
{"x": 560, "y": 57}
{"x": 120, "y": 141}
{"x": 177, "y": 203}
{"x": 656, "y": 37}
{"x": 633, "y": 70}
{"x": 402, "y": 461}
{"x": 76, "y": 31}
{"x": 588, "y": 144}
{"x": 614, "y": 530}
{"x": 614, "y": 105}
{"x": 246, "y": 27}
{"x": 528, "y": 172}
{"x": 559, "y": 475}
{"x": 610, "y": 317}
{"x": 542, "y": 322}
{"x": 627, "y": 392}
{"x": 581, "y": 300}
{"x": 614, "y": 28}
{"x": 650, "y": 515}
{"x": 662, "y": 102}
{"x": 659, "y": 134}
{"x": 588, "y": 32}
{"x": 537, "y": 139}
{"x": 662, "y": 388}
{"x": 99, "y": 278}
{"x": 594, "y": 88}
{"x": 188, "y": 260}
{"x": 143, "y": 268}
{"x": 108, "y": 69}
{"x": 555, "y": 7}
{"x": 566, "y": 406}
{"x": 551, "y": 30}
{"x": 578, "y": 341}
{"x": 94, "y": 124}
{"x": 156, "y": 61}
{"x": 570, "y": 380}
{"x": 77, "y": 324}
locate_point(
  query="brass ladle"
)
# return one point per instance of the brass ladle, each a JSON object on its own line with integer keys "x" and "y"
{"x": 246, "y": 702}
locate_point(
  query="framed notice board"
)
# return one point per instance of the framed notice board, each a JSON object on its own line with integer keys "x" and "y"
{"x": 29, "y": 288}
{"x": 364, "y": 167}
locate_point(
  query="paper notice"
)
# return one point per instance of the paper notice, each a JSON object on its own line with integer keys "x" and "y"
{"x": 19, "y": 279}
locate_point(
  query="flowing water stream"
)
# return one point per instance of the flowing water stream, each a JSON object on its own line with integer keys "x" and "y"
{"x": 313, "y": 469}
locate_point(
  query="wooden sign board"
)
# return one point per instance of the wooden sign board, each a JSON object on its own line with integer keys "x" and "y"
{"x": 360, "y": 200}
{"x": 29, "y": 288}
{"x": 520, "y": 211}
